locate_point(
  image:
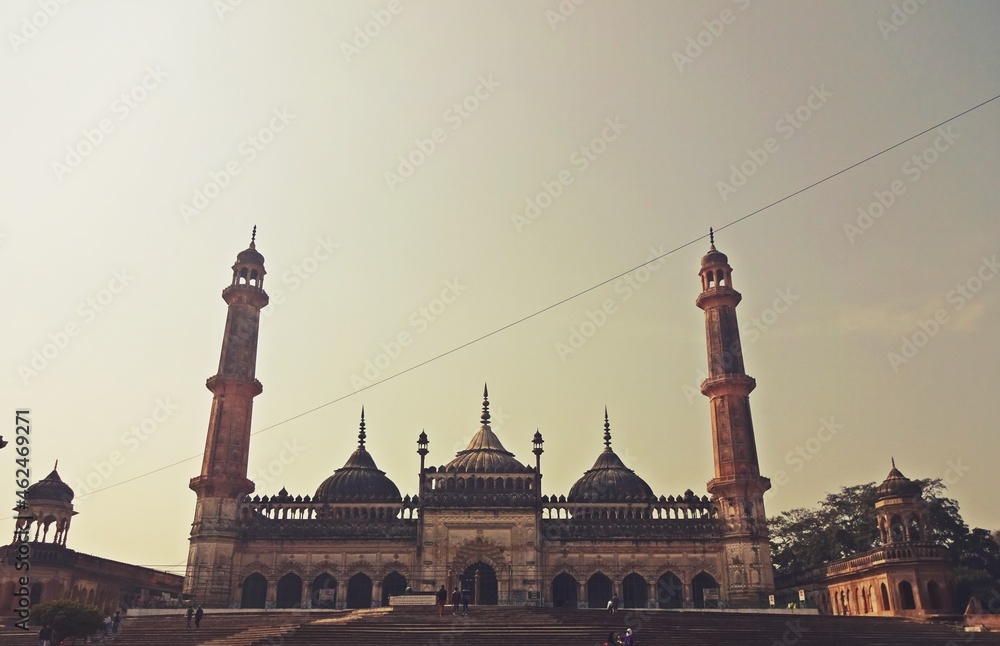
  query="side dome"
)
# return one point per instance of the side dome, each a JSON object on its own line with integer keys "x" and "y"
{"x": 359, "y": 480}
{"x": 51, "y": 488}
{"x": 485, "y": 453}
{"x": 896, "y": 485}
{"x": 609, "y": 480}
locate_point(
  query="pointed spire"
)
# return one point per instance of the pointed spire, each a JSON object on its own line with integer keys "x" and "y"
{"x": 486, "y": 406}
{"x": 56, "y": 467}
{"x": 711, "y": 237}
{"x": 893, "y": 462}
{"x": 253, "y": 238}
{"x": 361, "y": 433}
{"x": 607, "y": 429}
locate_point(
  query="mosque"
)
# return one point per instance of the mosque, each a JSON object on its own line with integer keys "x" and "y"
{"x": 480, "y": 522}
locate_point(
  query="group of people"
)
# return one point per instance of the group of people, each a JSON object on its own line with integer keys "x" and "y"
{"x": 457, "y": 597}
{"x": 618, "y": 640}
{"x": 197, "y": 615}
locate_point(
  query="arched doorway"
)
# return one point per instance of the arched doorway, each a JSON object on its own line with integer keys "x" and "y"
{"x": 488, "y": 592}
{"x": 254, "y": 591}
{"x": 906, "y": 600}
{"x": 885, "y": 599}
{"x": 35, "y": 596}
{"x": 598, "y": 591}
{"x": 703, "y": 581}
{"x": 564, "y": 591}
{"x": 670, "y": 591}
{"x": 324, "y": 591}
{"x": 289, "y": 591}
{"x": 934, "y": 596}
{"x": 359, "y": 591}
{"x": 635, "y": 591}
{"x": 394, "y": 584}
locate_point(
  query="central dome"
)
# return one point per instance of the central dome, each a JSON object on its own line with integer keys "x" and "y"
{"x": 359, "y": 480}
{"x": 609, "y": 480}
{"x": 485, "y": 453}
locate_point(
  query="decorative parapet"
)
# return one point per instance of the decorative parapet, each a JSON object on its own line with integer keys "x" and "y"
{"x": 883, "y": 555}
{"x": 687, "y": 517}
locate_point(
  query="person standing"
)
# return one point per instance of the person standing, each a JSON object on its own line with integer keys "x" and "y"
{"x": 629, "y": 639}
{"x": 442, "y": 598}
{"x": 197, "y": 617}
{"x": 454, "y": 600}
{"x": 465, "y": 601}
{"x": 190, "y": 615}
{"x": 116, "y": 622}
{"x": 45, "y": 636}
{"x": 614, "y": 603}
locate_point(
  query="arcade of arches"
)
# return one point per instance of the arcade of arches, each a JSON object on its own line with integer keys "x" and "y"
{"x": 480, "y": 581}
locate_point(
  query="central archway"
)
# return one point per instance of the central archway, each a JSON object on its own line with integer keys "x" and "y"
{"x": 564, "y": 591}
{"x": 488, "y": 591}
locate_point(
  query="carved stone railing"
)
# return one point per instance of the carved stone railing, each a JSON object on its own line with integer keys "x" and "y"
{"x": 653, "y": 529}
{"x": 891, "y": 553}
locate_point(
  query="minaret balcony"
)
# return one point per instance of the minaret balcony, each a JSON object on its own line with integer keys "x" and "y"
{"x": 724, "y": 295}
{"x": 728, "y": 384}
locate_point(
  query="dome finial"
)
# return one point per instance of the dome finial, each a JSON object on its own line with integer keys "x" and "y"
{"x": 56, "y": 467}
{"x": 361, "y": 433}
{"x": 486, "y": 406}
{"x": 253, "y": 238}
{"x": 711, "y": 237}
{"x": 894, "y": 462}
{"x": 607, "y": 429}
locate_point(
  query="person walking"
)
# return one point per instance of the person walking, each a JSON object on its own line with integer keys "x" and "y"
{"x": 45, "y": 636}
{"x": 629, "y": 639}
{"x": 455, "y": 598}
{"x": 197, "y": 617}
{"x": 465, "y": 601}
{"x": 442, "y": 598}
{"x": 116, "y": 622}
{"x": 190, "y": 615}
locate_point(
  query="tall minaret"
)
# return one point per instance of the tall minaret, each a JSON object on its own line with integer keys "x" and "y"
{"x": 737, "y": 488}
{"x": 223, "y": 481}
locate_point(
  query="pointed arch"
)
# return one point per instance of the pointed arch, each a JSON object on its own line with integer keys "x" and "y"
{"x": 289, "y": 593}
{"x": 359, "y": 591}
{"x": 599, "y": 590}
{"x": 635, "y": 591}
{"x": 564, "y": 591}
{"x": 701, "y": 582}
{"x": 254, "y": 591}
{"x": 669, "y": 591}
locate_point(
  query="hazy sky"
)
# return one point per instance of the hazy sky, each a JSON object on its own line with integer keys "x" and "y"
{"x": 426, "y": 173}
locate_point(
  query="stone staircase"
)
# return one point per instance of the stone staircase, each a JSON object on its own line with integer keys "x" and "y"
{"x": 494, "y": 626}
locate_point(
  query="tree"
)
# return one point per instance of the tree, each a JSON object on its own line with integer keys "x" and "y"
{"x": 68, "y": 619}
{"x": 844, "y": 524}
